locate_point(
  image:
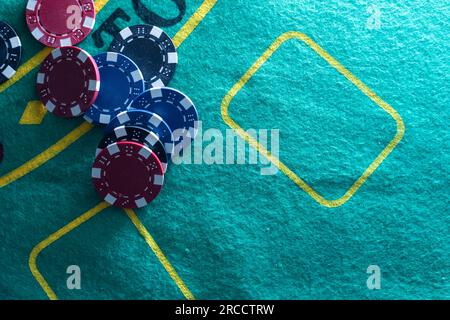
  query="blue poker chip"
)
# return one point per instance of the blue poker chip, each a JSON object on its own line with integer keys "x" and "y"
{"x": 146, "y": 120}
{"x": 10, "y": 52}
{"x": 174, "y": 107}
{"x": 152, "y": 50}
{"x": 121, "y": 82}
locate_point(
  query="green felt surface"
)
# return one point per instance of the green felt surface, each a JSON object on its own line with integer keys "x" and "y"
{"x": 228, "y": 231}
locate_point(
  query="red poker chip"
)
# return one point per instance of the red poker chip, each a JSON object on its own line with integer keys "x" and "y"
{"x": 60, "y": 23}
{"x": 127, "y": 175}
{"x": 68, "y": 82}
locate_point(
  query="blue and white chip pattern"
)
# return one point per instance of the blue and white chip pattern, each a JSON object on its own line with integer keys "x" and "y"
{"x": 121, "y": 82}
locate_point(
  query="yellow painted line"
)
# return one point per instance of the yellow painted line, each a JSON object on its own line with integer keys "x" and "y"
{"x": 54, "y": 237}
{"x": 99, "y": 4}
{"x": 34, "y": 113}
{"x": 32, "y": 261}
{"x": 193, "y": 22}
{"x": 347, "y": 74}
{"x": 26, "y": 68}
{"x": 37, "y": 59}
{"x": 159, "y": 254}
{"x": 84, "y": 128}
{"x": 45, "y": 156}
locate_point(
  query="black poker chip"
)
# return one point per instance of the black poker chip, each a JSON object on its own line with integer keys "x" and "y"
{"x": 139, "y": 135}
{"x": 10, "y": 52}
{"x": 151, "y": 49}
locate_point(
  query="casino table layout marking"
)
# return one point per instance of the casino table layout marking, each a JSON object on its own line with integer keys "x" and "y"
{"x": 45, "y": 156}
{"x": 73, "y": 136}
{"x": 84, "y": 128}
{"x": 32, "y": 262}
{"x": 349, "y": 76}
{"x": 54, "y": 237}
{"x": 34, "y": 113}
{"x": 159, "y": 254}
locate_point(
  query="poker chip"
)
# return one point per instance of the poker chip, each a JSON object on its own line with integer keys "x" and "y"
{"x": 121, "y": 82}
{"x": 135, "y": 134}
{"x": 148, "y": 120}
{"x": 152, "y": 50}
{"x": 109, "y": 89}
{"x": 60, "y": 23}
{"x": 10, "y": 52}
{"x": 68, "y": 82}
{"x": 174, "y": 107}
{"x": 127, "y": 175}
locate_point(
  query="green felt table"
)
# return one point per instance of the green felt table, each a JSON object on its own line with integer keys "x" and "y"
{"x": 358, "y": 95}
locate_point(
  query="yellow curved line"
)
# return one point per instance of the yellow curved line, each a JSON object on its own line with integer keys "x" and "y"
{"x": 45, "y": 156}
{"x": 26, "y": 68}
{"x": 54, "y": 237}
{"x": 159, "y": 254}
{"x": 65, "y": 142}
{"x": 32, "y": 261}
{"x": 347, "y": 74}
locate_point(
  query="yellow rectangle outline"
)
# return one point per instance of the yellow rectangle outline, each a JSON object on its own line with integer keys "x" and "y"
{"x": 347, "y": 74}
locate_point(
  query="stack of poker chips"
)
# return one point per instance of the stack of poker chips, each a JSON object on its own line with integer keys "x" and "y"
{"x": 124, "y": 89}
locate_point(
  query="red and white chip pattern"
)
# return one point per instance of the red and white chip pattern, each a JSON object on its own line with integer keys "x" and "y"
{"x": 62, "y": 70}
{"x": 127, "y": 175}
{"x": 60, "y": 23}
